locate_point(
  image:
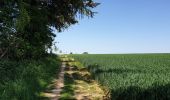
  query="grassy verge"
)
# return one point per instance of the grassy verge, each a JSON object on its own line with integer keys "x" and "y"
{"x": 78, "y": 84}
{"x": 24, "y": 80}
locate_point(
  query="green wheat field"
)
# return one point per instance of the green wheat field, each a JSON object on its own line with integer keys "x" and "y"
{"x": 131, "y": 76}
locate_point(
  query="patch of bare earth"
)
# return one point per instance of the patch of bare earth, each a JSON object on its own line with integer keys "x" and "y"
{"x": 58, "y": 84}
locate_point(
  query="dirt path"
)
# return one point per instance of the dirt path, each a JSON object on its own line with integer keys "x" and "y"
{"x": 75, "y": 83}
{"x": 58, "y": 84}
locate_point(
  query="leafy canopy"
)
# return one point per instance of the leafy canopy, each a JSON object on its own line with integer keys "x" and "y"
{"x": 26, "y": 25}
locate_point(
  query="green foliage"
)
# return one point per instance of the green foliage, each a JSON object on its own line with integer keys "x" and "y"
{"x": 131, "y": 76}
{"x": 23, "y": 18}
{"x": 26, "y": 25}
{"x": 25, "y": 80}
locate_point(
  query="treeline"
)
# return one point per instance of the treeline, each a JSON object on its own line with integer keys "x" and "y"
{"x": 26, "y": 26}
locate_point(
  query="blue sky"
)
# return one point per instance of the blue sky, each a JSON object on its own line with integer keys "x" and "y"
{"x": 121, "y": 26}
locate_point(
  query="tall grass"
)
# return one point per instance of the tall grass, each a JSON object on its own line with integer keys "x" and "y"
{"x": 131, "y": 76}
{"x": 24, "y": 80}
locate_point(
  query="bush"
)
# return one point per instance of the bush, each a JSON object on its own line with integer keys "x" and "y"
{"x": 25, "y": 80}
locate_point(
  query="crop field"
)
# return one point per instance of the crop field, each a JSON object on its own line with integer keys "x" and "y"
{"x": 131, "y": 76}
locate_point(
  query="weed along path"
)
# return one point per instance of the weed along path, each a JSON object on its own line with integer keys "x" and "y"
{"x": 78, "y": 83}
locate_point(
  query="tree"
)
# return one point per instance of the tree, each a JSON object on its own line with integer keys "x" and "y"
{"x": 85, "y": 53}
{"x": 26, "y": 25}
